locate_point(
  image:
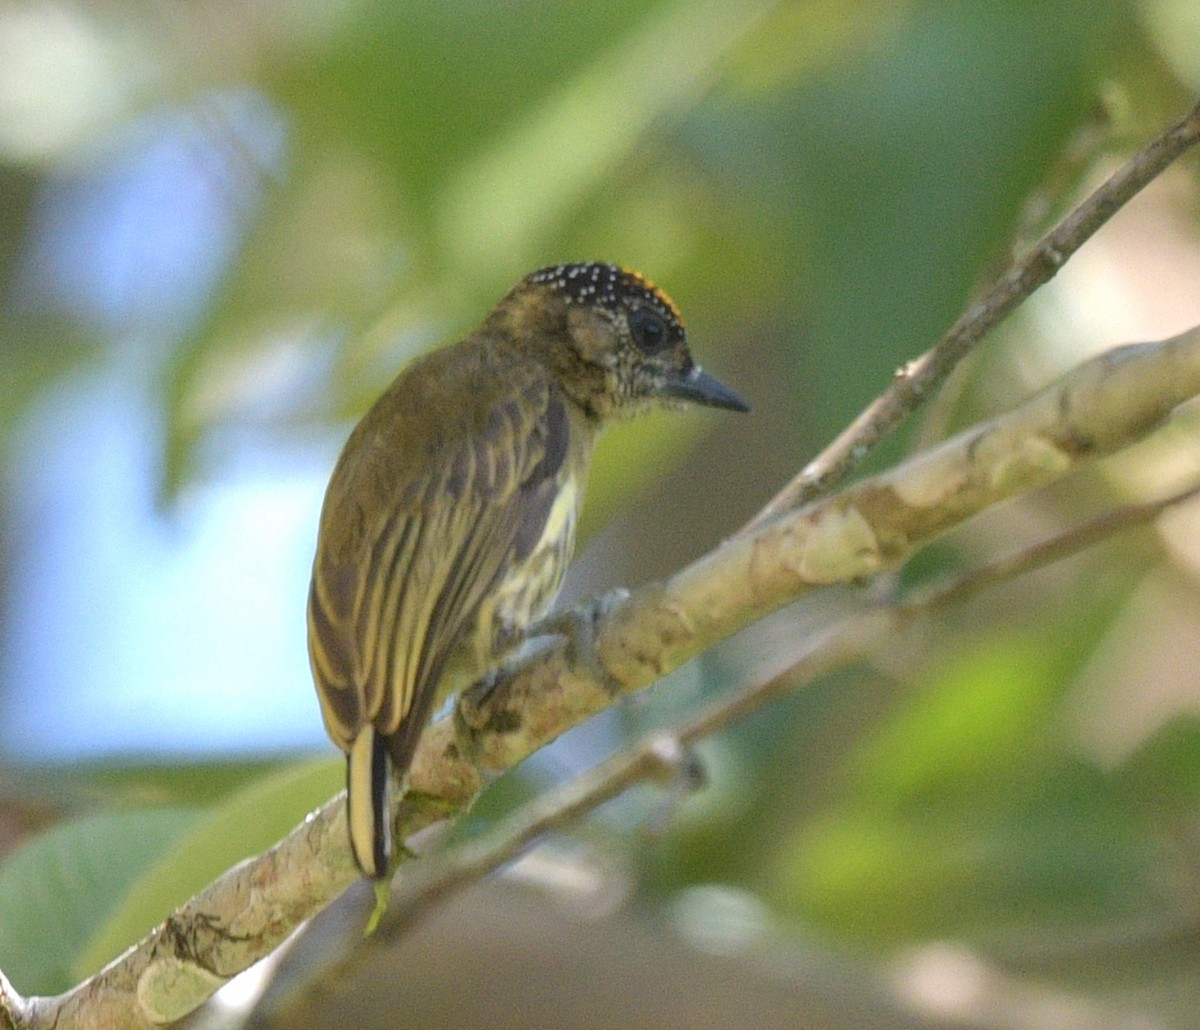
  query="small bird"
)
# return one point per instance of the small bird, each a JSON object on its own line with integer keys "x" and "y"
{"x": 450, "y": 517}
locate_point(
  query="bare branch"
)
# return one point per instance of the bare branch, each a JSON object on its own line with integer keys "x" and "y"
{"x": 853, "y": 639}
{"x": 1076, "y": 539}
{"x": 1103, "y": 405}
{"x": 918, "y": 379}
{"x": 429, "y": 883}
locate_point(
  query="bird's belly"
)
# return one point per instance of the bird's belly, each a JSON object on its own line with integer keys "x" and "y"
{"x": 524, "y": 594}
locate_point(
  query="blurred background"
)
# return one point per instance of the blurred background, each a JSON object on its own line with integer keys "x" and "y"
{"x": 225, "y": 226}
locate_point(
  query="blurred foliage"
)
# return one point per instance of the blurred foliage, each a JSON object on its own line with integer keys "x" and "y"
{"x": 60, "y": 888}
{"x": 75, "y": 897}
{"x": 821, "y": 186}
{"x": 240, "y": 825}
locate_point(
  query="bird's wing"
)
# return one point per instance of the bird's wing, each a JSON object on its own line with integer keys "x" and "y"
{"x": 384, "y": 616}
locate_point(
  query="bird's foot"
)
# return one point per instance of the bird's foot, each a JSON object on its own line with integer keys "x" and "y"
{"x": 383, "y": 892}
{"x": 577, "y": 627}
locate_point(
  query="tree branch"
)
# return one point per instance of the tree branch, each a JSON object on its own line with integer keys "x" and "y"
{"x": 1106, "y": 404}
{"x": 919, "y": 378}
{"x": 856, "y": 638}
{"x": 661, "y": 755}
{"x": 1101, "y": 406}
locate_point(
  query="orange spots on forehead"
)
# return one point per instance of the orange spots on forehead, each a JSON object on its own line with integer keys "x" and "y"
{"x": 606, "y": 285}
{"x": 651, "y": 287}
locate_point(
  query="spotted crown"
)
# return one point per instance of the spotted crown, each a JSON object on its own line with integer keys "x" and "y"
{"x": 607, "y": 285}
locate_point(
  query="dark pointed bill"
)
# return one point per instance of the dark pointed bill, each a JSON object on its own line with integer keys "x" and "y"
{"x": 699, "y": 387}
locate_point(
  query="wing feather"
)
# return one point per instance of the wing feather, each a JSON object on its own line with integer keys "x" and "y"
{"x": 387, "y": 610}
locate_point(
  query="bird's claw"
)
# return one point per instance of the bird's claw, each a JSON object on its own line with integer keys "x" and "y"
{"x": 577, "y": 627}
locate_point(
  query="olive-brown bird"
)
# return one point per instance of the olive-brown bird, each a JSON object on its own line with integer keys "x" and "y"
{"x": 450, "y": 517}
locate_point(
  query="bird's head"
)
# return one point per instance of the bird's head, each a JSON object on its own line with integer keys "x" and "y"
{"x": 615, "y": 341}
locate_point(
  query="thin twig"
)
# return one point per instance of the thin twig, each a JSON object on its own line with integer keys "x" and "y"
{"x": 918, "y": 379}
{"x": 1074, "y": 540}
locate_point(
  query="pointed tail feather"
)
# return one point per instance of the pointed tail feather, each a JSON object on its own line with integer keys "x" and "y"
{"x": 368, "y": 793}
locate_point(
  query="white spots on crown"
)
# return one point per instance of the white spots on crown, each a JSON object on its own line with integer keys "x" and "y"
{"x": 605, "y": 284}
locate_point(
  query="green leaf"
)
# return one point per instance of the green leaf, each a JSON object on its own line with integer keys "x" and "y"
{"x": 59, "y": 887}
{"x": 87, "y": 786}
{"x": 244, "y": 824}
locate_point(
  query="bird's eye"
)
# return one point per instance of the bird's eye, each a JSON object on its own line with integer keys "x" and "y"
{"x": 648, "y": 329}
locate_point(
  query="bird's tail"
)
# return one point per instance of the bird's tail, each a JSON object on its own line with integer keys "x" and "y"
{"x": 368, "y": 791}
